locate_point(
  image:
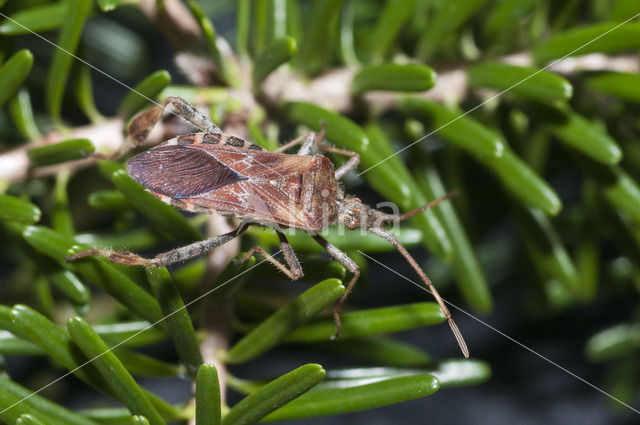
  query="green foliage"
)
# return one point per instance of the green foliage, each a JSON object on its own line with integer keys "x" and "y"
{"x": 393, "y": 77}
{"x": 524, "y": 82}
{"x": 14, "y": 72}
{"x": 364, "y": 72}
{"x": 208, "y": 396}
{"x": 275, "y": 394}
{"x": 274, "y": 55}
{"x": 490, "y": 149}
{"x": 68, "y": 40}
{"x": 357, "y": 397}
{"x": 37, "y": 18}
{"x": 116, "y": 376}
{"x": 15, "y": 209}
{"x": 272, "y": 330}
{"x": 143, "y": 93}
{"x": 605, "y": 38}
{"x": 60, "y": 152}
{"x": 177, "y": 319}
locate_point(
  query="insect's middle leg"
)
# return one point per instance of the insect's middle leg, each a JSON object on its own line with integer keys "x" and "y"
{"x": 177, "y": 255}
{"x": 306, "y": 139}
{"x": 351, "y": 164}
{"x": 343, "y": 259}
{"x": 294, "y": 271}
{"x": 312, "y": 138}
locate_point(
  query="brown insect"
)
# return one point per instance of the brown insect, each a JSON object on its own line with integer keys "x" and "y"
{"x": 212, "y": 171}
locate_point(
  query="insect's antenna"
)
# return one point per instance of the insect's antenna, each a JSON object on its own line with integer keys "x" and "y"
{"x": 393, "y": 241}
{"x": 423, "y": 208}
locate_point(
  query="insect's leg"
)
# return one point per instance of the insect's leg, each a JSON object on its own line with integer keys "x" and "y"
{"x": 294, "y": 271}
{"x": 389, "y": 237}
{"x": 143, "y": 123}
{"x": 177, "y": 255}
{"x": 351, "y": 164}
{"x": 343, "y": 259}
{"x": 187, "y": 111}
{"x": 306, "y": 140}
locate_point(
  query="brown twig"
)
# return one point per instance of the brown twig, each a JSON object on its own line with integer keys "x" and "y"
{"x": 330, "y": 90}
{"x": 107, "y": 137}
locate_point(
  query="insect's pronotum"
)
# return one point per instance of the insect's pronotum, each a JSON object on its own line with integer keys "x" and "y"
{"x": 212, "y": 171}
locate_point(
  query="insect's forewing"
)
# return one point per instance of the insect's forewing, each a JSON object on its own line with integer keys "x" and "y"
{"x": 180, "y": 172}
{"x": 261, "y": 185}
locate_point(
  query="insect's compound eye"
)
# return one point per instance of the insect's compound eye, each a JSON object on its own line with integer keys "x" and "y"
{"x": 349, "y": 217}
{"x": 353, "y": 223}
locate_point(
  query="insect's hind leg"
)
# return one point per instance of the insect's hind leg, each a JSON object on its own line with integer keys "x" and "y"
{"x": 143, "y": 123}
{"x": 343, "y": 259}
{"x": 294, "y": 271}
{"x": 177, "y": 255}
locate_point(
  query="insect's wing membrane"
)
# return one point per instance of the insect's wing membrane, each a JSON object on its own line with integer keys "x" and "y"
{"x": 180, "y": 171}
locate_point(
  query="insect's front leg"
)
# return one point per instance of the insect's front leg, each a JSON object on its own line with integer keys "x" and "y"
{"x": 343, "y": 259}
{"x": 294, "y": 271}
{"x": 177, "y": 255}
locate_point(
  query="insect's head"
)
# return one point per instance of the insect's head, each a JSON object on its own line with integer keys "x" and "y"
{"x": 354, "y": 214}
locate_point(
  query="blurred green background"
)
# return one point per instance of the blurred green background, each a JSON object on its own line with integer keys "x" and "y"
{"x": 528, "y": 109}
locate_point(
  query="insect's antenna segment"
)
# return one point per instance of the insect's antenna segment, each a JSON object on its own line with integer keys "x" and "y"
{"x": 426, "y": 207}
{"x": 393, "y": 241}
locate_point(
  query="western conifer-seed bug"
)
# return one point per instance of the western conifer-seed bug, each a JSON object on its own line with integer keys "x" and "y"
{"x": 211, "y": 171}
